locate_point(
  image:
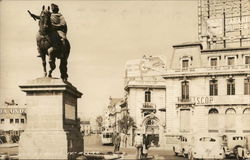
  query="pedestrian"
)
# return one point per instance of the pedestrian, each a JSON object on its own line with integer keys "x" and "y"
{"x": 125, "y": 140}
{"x": 139, "y": 145}
{"x": 114, "y": 141}
{"x": 118, "y": 142}
{"x": 146, "y": 144}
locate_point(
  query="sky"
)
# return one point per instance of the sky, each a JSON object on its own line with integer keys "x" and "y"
{"x": 104, "y": 35}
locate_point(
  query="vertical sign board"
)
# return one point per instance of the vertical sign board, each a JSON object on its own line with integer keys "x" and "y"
{"x": 70, "y": 104}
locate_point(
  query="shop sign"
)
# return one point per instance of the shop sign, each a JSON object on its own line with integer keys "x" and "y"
{"x": 202, "y": 100}
{"x": 12, "y": 110}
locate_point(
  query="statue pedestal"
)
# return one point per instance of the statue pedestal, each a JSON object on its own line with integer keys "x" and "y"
{"x": 52, "y": 130}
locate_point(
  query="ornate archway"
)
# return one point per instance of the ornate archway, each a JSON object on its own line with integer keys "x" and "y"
{"x": 151, "y": 126}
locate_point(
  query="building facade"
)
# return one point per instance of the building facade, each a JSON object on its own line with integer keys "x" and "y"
{"x": 12, "y": 118}
{"x": 112, "y": 115}
{"x": 205, "y": 88}
{"x": 208, "y": 90}
{"x": 146, "y": 97}
{"x": 85, "y": 127}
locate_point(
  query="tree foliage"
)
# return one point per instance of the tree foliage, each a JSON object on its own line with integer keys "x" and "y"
{"x": 99, "y": 121}
{"x": 126, "y": 123}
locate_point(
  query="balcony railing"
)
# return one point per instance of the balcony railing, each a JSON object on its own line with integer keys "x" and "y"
{"x": 212, "y": 68}
{"x": 149, "y": 105}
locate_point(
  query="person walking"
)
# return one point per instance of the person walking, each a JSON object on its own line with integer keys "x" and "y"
{"x": 118, "y": 142}
{"x": 139, "y": 145}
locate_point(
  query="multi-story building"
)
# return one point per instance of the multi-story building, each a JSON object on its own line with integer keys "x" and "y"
{"x": 146, "y": 93}
{"x": 208, "y": 90}
{"x": 113, "y": 114}
{"x": 205, "y": 88}
{"x": 85, "y": 127}
{"x": 12, "y": 118}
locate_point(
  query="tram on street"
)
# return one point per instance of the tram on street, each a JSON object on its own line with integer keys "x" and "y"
{"x": 107, "y": 138}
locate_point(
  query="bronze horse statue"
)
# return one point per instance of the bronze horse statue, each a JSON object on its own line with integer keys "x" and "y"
{"x": 49, "y": 43}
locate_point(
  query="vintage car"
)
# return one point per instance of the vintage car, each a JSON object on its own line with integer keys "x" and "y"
{"x": 182, "y": 146}
{"x": 206, "y": 147}
{"x": 233, "y": 142}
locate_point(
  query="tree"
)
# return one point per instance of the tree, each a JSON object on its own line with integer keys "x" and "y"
{"x": 126, "y": 123}
{"x": 99, "y": 121}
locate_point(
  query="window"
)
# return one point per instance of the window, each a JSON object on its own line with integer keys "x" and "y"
{"x": 185, "y": 63}
{"x": 247, "y": 86}
{"x": 185, "y": 90}
{"x": 230, "y": 120}
{"x": 147, "y": 96}
{"x": 22, "y": 120}
{"x": 246, "y": 120}
{"x": 230, "y": 61}
{"x": 213, "y": 87}
{"x": 16, "y": 120}
{"x": 213, "y": 62}
{"x": 230, "y": 87}
{"x": 2, "y": 121}
{"x": 247, "y": 59}
{"x": 213, "y": 120}
{"x": 11, "y": 120}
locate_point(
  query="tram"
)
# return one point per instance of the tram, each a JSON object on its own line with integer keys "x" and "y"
{"x": 107, "y": 138}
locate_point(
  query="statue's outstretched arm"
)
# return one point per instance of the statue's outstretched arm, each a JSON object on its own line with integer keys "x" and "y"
{"x": 33, "y": 15}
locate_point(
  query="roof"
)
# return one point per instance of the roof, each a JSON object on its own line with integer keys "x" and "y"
{"x": 188, "y": 44}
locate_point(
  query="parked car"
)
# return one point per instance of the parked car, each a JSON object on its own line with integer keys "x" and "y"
{"x": 182, "y": 146}
{"x": 233, "y": 142}
{"x": 206, "y": 147}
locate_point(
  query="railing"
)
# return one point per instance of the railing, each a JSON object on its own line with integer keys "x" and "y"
{"x": 148, "y": 105}
{"x": 212, "y": 68}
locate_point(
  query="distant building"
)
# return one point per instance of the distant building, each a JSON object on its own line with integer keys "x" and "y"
{"x": 113, "y": 114}
{"x": 12, "y": 118}
{"x": 85, "y": 127}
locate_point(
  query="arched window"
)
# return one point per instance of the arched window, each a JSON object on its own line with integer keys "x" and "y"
{"x": 246, "y": 111}
{"x": 230, "y": 111}
{"x": 230, "y": 120}
{"x": 213, "y": 111}
{"x": 147, "y": 96}
{"x": 246, "y": 120}
{"x": 213, "y": 120}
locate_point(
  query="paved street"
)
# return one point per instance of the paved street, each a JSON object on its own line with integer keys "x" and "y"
{"x": 93, "y": 144}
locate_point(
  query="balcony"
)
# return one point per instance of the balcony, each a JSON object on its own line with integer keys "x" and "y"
{"x": 148, "y": 106}
{"x": 208, "y": 70}
{"x": 186, "y": 100}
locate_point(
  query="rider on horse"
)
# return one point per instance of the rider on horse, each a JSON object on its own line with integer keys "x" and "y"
{"x": 58, "y": 24}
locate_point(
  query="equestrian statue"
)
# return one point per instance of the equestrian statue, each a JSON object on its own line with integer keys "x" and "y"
{"x": 51, "y": 39}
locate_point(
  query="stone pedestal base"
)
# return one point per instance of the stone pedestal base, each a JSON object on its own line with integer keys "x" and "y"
{"x": 52, "y": 130}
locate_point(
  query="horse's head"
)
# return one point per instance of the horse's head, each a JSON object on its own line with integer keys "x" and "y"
{"x": 44, "y": 22}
